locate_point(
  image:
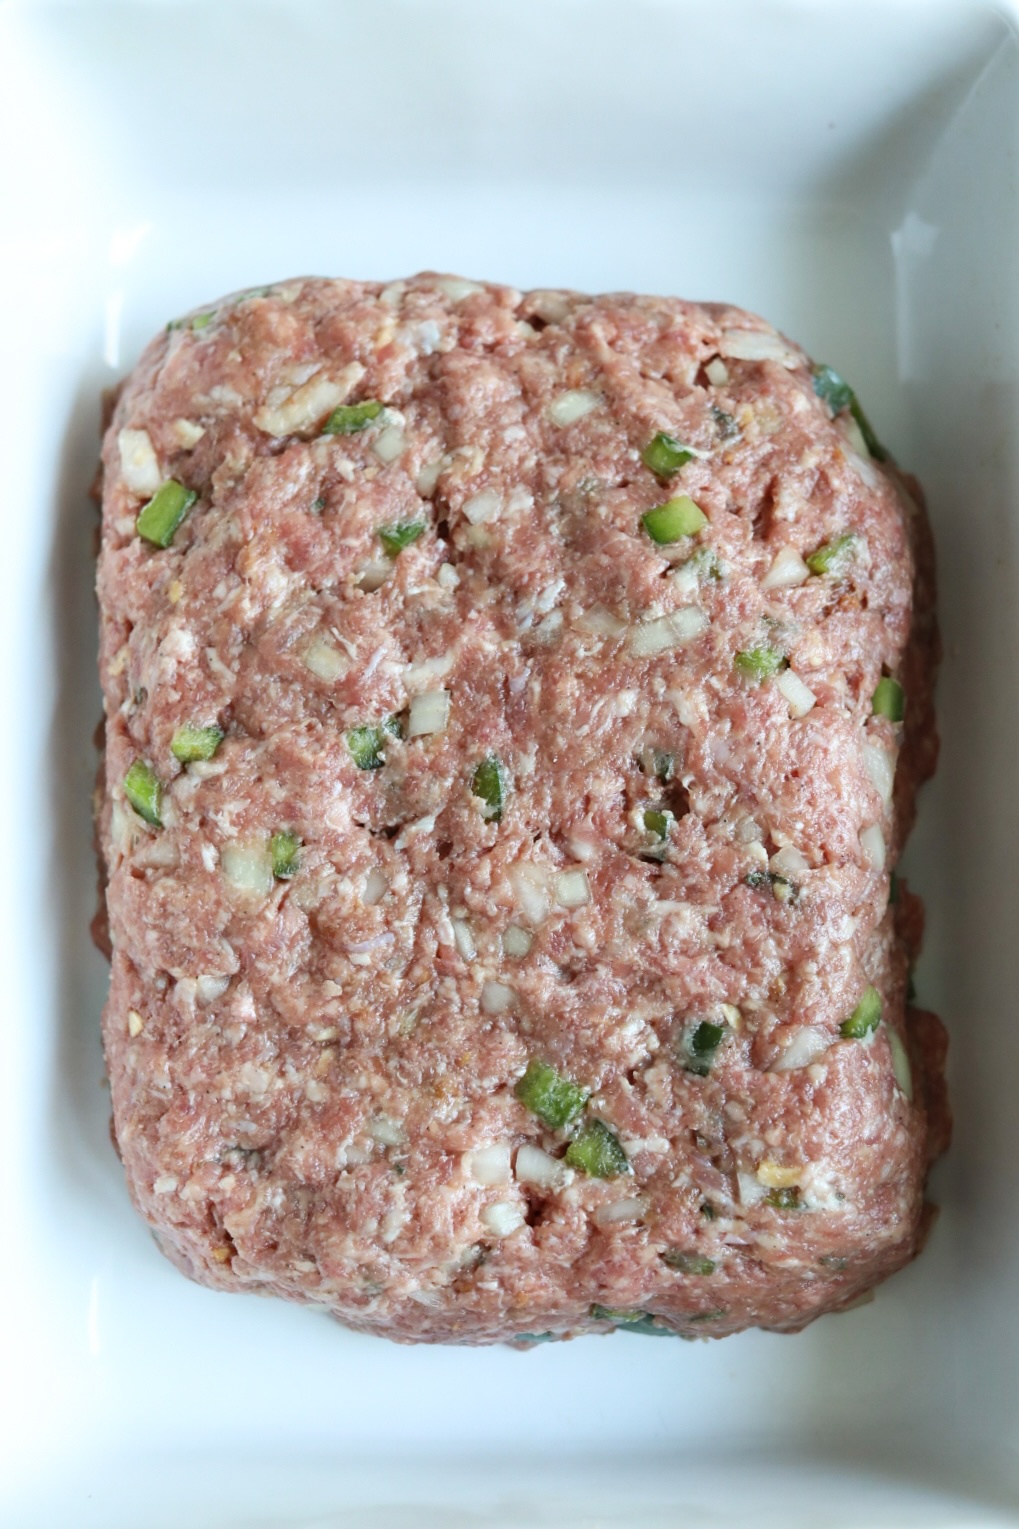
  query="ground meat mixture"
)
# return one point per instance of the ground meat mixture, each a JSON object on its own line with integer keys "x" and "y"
{"x": 514, "y": 709}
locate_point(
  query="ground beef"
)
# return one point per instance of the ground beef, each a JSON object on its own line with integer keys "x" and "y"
{"x": 521, "y": 958}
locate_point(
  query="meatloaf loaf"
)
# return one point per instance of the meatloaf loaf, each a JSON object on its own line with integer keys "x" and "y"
{"x": 514, "y": 708}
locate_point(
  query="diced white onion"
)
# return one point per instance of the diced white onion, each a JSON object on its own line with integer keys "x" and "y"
{"x": 881, "y": 769}
{"x": 456, "y": 287}
{"x": 602, "y": 622}
{"x": 503, "y": 1218}
{"x": 159, "y": 851}
{"x": 426, "y": 672}
{"x": 425, "y": 1297}
{"x": 533, "y": 1166}
{"x": 654, "y": 1144}
{"x": 717, "y": 372}
{"x": 496, "y": 997}
{"x": 178, "y": 645}
{"x": 428, "y": 476}
{"x": 686, "y": 580}
{"x": 572, "y": 405}
{"x": 463, "y": 939}
{"x": 207, "y": 769}
{"x": 359, "y": 951}
{"x": 800, "y": 696}
{"x": 304, "y": 408}
{"x": 670, "y": 631}
{"x": 185, "y": 991}
{"x": 301, "y": 371}
{"x": 373, "y": 575}
{"x": 750, "y": 1191}
{"x": 375, "y": 885}
{"x": 139, "y": 465}
{"x": 387, "y": 1131}
{"x": 390, "y": 443}
{"x": 490, "y": 1165}
{"x": 519, "y": 499}
{"x": 731, "y": 1015}
{"x": 688, "y": 622}
{"x": 571, "y": 889}
{"x": 530, "y": 883}
{"x": 122, "y": 828}
{"x": 208, "y": 988}
{"x": 805, "y": 1047}
{"x": 447, "y": 576}
{"x": 787, "y": 570}
{"x": 324, "y": 660}
{"x": 582, "y": 844}
{"x": 547, "y": 597}
{"x": 788, "y": 861}
{"x": 619, "y": 1212}
{"x": 516, "y": 941}
{"x": 429, "y": 713}
{"x": 872, "y": 842}
{"x": 248, "y": 868}
{"x": 429, "y": 337}
{"x": 164, "y": 1185}
{"x": 900, "y": 1063}
{"x": 483, "y": 506}
{"x": 186, "y": 433}
{"x": 135, "y": 1023}
{"x": 393, "y": 1223}
{"x": 550, "y": 305}
{"x": 757, "y": 345}
{"x": 227, "y": 398}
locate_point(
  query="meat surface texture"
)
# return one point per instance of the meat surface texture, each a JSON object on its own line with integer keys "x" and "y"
{"x": 498, "y": 880}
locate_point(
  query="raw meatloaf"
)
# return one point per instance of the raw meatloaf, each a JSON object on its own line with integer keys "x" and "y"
{"x": 505, "y": 761}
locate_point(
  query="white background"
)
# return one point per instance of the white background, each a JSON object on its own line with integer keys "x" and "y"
{"x": 849, "y": 170}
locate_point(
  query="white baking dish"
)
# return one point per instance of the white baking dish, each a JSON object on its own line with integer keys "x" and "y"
{"x": 848, "y": 169}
